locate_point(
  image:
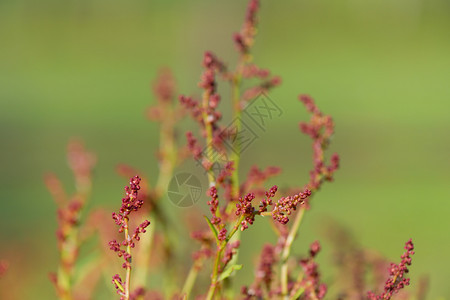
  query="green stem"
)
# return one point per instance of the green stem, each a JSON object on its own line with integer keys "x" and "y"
{"x": 235, "y": 228}
{"x": 287, "y": 251}
{"x": 236, "y": 100}
{"x": 65, "y": 270}
{"x": 128, "y": 274}
{"x": 220, "y": 250}
{"x": 209, "y": 138}
{"x": 212, "y": 287}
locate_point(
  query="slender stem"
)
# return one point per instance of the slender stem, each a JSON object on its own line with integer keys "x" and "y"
{"x": 212, "y": 287}
{"x": 128, "y": 274}
{"x": 65, "y": 270}
{"x": 287, "y": 250}
{"x": 191, "y": 278}
{"x": 237, "y": 109}
{"x": 236, "y": 100}
{"x": 209, "y": 137}
{"x": 220, "y": 250}
{"x": 235, "y": 227}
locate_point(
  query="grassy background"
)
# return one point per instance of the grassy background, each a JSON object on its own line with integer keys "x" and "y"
{"x": 380, "y": 68}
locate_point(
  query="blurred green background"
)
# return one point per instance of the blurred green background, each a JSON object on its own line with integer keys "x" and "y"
{"x": 381, "y": 68}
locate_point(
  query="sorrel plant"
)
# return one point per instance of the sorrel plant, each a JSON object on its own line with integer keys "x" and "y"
{"x": 235, "y": 202}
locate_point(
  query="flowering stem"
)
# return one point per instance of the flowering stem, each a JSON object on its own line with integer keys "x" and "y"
{"x": 128, "y": 274}
{"x": 215, "y": 274}
{"x": 68, "y": 257}
{"x": 236, "y": 100}
{"x": 220, "y": 250}
{"x": 209, "y": 136}
{"x": 287, "y": 250}
{"x": 235, "y": 228}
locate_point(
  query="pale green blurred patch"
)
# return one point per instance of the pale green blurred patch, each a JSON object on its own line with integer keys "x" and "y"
{"x": 380, "y": 68}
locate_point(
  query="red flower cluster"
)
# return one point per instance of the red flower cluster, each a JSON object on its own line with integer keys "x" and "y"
{"x": 266, "y": 262}
{"x": 244, "y": 39}
{"x": 213, "y": 205}
{"x": 396, "y": 280}
{"x": 245, "y": 208}
{"x": 320, "y": 128}
{"x": 286, "y": 205}
{"x": 268, "y": 200}
{"x": 130, "y": 203}
{"x": 311, "y": 281}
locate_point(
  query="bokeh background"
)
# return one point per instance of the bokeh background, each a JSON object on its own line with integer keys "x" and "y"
{"x": 381, "y": 68}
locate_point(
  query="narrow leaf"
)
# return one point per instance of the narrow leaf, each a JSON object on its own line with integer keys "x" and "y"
{"x": 213, "y": 229}
{"x": 229, "y": 272}
{"x": 298, "y": 293}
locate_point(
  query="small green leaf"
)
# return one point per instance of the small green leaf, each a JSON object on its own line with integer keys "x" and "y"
{"x": 298, "y": 293}
{"x": 229, "y": 272}
{"x": 213, "y": 229}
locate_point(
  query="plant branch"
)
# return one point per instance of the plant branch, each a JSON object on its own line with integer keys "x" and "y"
{"x": 128, "y": 274}
{"x": 287, "y": 251}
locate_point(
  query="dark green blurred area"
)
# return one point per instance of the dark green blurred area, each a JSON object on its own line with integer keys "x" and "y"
{"x": 380, "y": 68}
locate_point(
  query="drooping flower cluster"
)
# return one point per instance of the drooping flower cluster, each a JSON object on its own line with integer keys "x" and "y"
{"x": 320, "y": 128}
{"x": 397, "y": 279}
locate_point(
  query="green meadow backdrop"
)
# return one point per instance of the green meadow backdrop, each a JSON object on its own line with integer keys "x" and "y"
{"x": 83, "y": 68}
